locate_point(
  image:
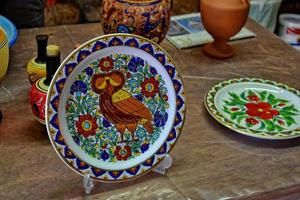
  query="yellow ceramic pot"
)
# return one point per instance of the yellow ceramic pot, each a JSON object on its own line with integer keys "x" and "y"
{"x": 35, "y": 70}
{"x": 4, "y": 54}
{"x": 36, "y": 67}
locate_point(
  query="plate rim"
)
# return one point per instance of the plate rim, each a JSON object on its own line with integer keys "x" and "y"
{"x": 182, "y": 110}
{"x": 247, "y": 131}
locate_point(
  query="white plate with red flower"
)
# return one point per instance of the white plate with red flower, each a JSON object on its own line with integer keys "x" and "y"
{"x": 256, "y": 107}
{"x": 115, "y": 107}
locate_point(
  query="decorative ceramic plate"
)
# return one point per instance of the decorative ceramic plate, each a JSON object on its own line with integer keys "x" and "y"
{"x": 256, "y": 107}
{"x": 10, "y": 30}
{"x": 115, "y": 107}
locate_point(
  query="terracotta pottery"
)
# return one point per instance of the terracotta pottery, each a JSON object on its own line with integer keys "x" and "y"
{"x": 36, "y": 67}
{"x": 223, "y": 19}
{"x": 4, "y": 53}
{"x": 38, "y": 92}
{"x": 148, "y": 18}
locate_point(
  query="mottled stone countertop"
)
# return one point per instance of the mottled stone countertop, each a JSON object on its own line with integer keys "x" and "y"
{"x": 210, "y": 161}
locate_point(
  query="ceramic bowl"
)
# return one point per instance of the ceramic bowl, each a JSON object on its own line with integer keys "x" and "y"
{"x": 4, "y": 53}
{"x": 10, "y": 30}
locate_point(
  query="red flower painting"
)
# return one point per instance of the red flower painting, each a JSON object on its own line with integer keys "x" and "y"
{"x": 253, "y": 98}
{"x": 123, "y": 153}
{"x": 234, "y": 109}
{"x": 106, "y": 64}
{"x": 150, "y": 87}
{"x": 252, "y": 121}
{"x": 86, "y": 125}
{"x": 262, "y": 110}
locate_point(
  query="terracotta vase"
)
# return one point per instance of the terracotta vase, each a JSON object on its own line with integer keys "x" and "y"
{"x": 223, "y": 19}
{"x": 38, "y": 92}
{"x": 148, "y": 18}
{"x": 36, "y": 67}
{"x": 4, "y": 53}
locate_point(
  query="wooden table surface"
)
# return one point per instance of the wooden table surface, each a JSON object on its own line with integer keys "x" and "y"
{"x": 210, "y": 161}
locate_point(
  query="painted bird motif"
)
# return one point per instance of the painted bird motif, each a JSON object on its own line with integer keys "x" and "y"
{"x": 118, "y": 106}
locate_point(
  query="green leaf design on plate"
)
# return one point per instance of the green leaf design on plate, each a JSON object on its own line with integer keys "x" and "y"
{"x": 260, "y": 111}
{"x": 271, "y": 99}
{"x": 243, "y": 96}
{"x": 234, "y": 115}
{"x": 263, "y": 95}
{"x": 270, "y": 126}
{"x": 262, "y": 125}
{"x": 240, "y": 118}
{"x": 236, "y": 99}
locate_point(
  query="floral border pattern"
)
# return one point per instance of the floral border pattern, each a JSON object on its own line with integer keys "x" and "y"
{"x": 212, "y": 109}
{"x": 57, "y": 85}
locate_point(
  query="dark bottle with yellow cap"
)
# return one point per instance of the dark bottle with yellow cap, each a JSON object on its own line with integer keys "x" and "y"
{"x": 38, "y": 92}
{"x": 36, "y": 67}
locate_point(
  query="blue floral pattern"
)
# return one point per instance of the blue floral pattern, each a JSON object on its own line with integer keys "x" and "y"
{"x": 134, "y": 63}
{"x": 160, "y": 118}
{"x": 89, "y": 71}
{"x": 78, "y": 87}
{"x": 122, "y": 29}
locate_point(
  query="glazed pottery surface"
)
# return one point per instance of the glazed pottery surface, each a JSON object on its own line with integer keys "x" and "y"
{"x": 39, "y": 89}
{"x": 4, "y": 54}
{"x": 256, "y": 107}
{"x": 37, "y": 99}
{"x": 115, "y": 107}
{"x": 10, "y": 30}
{"x": 223, "y": 19}
{"x": 148, "y": 18}
{"x": 35, "y": 70}
{"x": 36, "y": 67}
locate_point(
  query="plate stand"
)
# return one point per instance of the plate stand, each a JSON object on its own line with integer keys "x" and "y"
{"x": 165, "y": 164}
{"x": 88, "y": 183}
{"x": 161, "y": 168}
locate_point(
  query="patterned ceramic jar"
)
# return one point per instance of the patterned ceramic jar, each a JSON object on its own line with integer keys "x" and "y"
{"x": 39, "y": 89}
{"x": 148, "y": 18}
{"x": 4, "y": 54}
{"x": 36, "y": 67}
{"x": 37, "y": 99}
